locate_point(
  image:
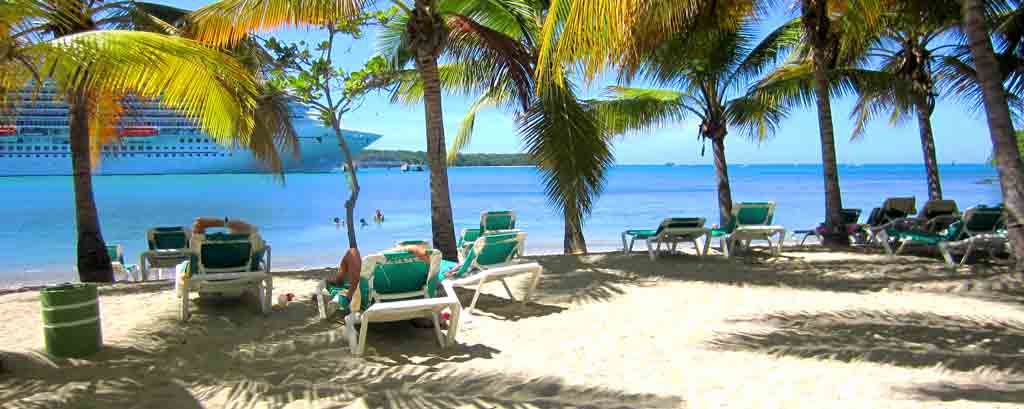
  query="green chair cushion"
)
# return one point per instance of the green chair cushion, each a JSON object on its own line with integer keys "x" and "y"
{"x": 469, "y": 236}
{"x": 168, "y": 238}
{"x": 756, "y": 214}
{"x": 642, "y": 234}
{"x": 112, "y": 252}
{"x": 498, "y": 248}
{"x": 498, "y": 221}
{"x": 222, "y": 250}
{"x": 403, "y": 272}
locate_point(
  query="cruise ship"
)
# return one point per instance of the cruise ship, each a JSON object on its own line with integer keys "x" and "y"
{"x": 153, "y": 139}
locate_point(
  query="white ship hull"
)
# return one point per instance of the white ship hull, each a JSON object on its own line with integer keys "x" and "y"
{"x": 39, "y": 146}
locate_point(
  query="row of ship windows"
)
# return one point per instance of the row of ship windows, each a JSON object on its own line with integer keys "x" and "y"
{"x": 122, "y": 155}
{"x": 105, "y": 148}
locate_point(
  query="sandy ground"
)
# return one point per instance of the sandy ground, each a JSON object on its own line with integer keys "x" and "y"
{"x": 807, "y": 329}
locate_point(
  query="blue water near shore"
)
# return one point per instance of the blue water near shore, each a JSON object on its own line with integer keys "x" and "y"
{"x": 37, "y": 235}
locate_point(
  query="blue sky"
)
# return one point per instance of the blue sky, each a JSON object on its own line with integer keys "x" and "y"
{"x": 961, "y": 135}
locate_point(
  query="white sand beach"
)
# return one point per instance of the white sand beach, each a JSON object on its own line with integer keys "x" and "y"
{"x": 807, "y": 329}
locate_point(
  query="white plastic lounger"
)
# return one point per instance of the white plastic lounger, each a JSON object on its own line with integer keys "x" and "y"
{"x": 492, "y": 257}
{"x": 670, "y": 232}
{"x": 168, "y": 247}
{"x": 979, "y": 227}
{"x": 750, "y": 221}
{"x": 395, "y": 286}
{"x": 495, "y": 221}
{"x": 225, "y": 264}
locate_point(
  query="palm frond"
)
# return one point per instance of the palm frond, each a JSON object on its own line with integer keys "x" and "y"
{"x": 572, "y": 150}
{"x": 465, "y": 134}
{"x": 226, "y": 22}
{"x": 637, "y": 109}
{"x": 207, "y": 85}
{"x": 757, "y": 118}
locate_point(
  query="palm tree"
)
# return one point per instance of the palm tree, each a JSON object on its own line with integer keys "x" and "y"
{"x": 708, "y": 68}
{"x": 1008, "y": 158}
{"x": 228, "y": 21}
{"x": 491, "y": 53}
{"x": 912, "y": 53}
{"x": 61, "y": 43}
{"x": 599, "y": 33}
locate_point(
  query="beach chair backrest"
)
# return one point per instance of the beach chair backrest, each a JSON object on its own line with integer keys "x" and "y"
{"x": 850, "y": 216}
{"x": 982, "y": 220}
{"x": 492, "y": 250}
{"x": 753, "y": 214}
{"x": 497, "y": 221}
{"x": 168, "y": 238}
{"x": 897, "y": 207}
{"x": 400, "y": 274}
{"x": 116, "y": 253}
{"x": 421, "y": 243}
{"x": 468, "y": 236}
{"x": 680, "y": 225}
{"x": 225, "y": 253}
{"x": 938, "y": 208}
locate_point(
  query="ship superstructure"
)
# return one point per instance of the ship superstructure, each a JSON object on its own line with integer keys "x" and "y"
{"x": 153, "y": 139}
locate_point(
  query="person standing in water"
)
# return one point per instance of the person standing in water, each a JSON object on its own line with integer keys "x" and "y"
{"x": 378, "y": 217}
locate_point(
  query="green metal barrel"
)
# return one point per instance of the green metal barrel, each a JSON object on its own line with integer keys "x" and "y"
{"x": 71, "y": 320}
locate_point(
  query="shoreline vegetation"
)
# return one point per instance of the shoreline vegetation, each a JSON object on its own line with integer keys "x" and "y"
{"x": 374, "y": 158}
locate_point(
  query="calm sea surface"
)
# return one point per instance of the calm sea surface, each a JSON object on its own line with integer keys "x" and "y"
{"x": 37, "y": 232}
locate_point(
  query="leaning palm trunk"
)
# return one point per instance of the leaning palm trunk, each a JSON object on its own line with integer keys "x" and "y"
{"x": 815, "y": 22}
{"x": 1011, "y": 170}
{"x": 722, "y": 176}
{"x": 353, "y": 183}
{"x": 931, "y": 165}
{"x": 93, "y": 260}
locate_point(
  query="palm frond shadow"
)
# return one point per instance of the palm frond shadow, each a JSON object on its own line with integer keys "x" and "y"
{"x": 962, "y": 343}
{"x": 581, "y": 282}
{"x": 1006, "y": 392}
{"x": 240, "y": 359}
{"x": 840, "y": 275}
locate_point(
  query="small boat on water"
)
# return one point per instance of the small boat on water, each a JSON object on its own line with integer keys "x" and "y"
{"x": 411, "y": 167}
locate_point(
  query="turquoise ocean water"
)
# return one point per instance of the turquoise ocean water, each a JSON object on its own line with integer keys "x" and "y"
{"x": 37, "y": 231}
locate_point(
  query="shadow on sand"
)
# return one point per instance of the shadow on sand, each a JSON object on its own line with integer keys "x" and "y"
{"x": 601, "y": 277}
{"x": 229, "y": 356}
{"x": 959, "y": 343}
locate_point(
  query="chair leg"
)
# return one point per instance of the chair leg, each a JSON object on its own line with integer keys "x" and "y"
{"x": 970, "y": 249}
{"x": 707, "y": 244}
{"x": 650, "y": 249}
{"x": 533, "y": 284}
{"x": 352, "y": 334}
{"x": 782, "y": 240}
{"x": 183, "y": 312}
{"x": 696, "y": 247}
{"x": 142, "y": 267}
{"x": 476, "y": 294}
{"x": 625, "y": 247}
{"x": 903, "y": 245}
{"x": 883, "y": 237}
{"x": 437, "y": 329}
{"x": 946, "y": 256}
{"x": 507, "y": 290}
{"x": 453, "y": 322}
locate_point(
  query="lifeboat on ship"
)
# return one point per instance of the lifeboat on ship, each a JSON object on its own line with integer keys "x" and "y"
{"x": 130, "y": 131}
{"x": 8, "y": 130}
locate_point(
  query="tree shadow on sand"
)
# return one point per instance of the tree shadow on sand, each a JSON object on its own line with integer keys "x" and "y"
{"x": 232, "y": 357}
{"x": 916, "y": 340}
{"x": 601, "y": 277}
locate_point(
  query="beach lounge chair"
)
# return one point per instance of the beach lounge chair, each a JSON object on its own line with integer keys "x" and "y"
{"x": 670, "y": 232}
{"x": 850, "y": 217}
{"x": 490, "y": 222}
{"x": 128, "y": 272}
{"x": 394, "y": 286}
{"x": 492, "y": 257}
{"x": 750, "y": 221}
{"x": 225, "y": 264}
{"x": 892, "y": 208}
{"x": 935, "y": 216}
{"x": 168, "y": 247}
{"x": 978, "y": 227}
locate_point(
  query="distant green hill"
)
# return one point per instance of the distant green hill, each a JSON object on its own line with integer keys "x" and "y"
{"x": 468, "y": 159}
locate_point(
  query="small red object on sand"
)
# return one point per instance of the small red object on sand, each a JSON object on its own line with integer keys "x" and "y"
{"x": 445, "y": 316}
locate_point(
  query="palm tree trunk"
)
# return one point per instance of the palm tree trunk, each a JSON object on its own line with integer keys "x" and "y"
{"x": 93, "y": 260}
{"x": 931, "y": 165}
{"x": 1004, "y": 142}
{"x": 574, "y": 242}
{"x": 816, "y": 23}
{"x": 722, "y": 176}
{"x": 353, "y": 184}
